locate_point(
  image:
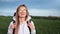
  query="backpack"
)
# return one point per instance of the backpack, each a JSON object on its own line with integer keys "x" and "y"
{"x": 28, "y": 26}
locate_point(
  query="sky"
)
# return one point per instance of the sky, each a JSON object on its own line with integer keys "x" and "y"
{"x": 35, "y": 7}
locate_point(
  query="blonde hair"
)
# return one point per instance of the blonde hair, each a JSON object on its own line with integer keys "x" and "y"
{"x": 17, "y": 17}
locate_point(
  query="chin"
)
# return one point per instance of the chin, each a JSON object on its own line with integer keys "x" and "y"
{"x": 22, "y": 16}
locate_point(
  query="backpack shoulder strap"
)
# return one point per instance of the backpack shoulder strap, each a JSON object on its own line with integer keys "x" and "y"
{"x": 28, "y": 26}
{"x": 14, "y": 28}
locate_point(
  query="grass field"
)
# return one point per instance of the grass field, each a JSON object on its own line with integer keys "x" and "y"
{"x": 43, "y": 26}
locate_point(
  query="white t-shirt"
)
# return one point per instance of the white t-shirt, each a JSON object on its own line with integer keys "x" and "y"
{"x": 23, "y": 29}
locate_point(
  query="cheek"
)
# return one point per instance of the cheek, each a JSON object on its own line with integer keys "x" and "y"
{"x": 25, "y": 14}
{"x": 19, "y": 14}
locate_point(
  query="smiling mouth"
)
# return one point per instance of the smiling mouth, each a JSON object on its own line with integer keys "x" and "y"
{"x": 22, "y": 14}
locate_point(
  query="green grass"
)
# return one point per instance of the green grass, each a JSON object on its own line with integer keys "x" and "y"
{"x": 4, "y": 22}
{"x": 43, "y": 26}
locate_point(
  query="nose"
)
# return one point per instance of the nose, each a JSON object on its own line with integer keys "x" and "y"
{"x": 21, "y": 11}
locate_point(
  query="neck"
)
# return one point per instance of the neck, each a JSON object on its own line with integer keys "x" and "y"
{"x": 21, "y": 20}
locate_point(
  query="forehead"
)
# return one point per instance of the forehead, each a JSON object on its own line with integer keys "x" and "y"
{"x": 22, "y": 7}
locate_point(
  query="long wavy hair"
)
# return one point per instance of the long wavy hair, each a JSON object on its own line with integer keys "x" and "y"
{"x": 17, "y": 17}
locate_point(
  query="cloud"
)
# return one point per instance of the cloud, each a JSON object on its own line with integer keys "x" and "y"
{"x": 9, "y": 0}
{"x": 44, "y": 12}
{"x": 33, "y": 12}
{"x": 13, "y": 0}
{"x": 36, "y": 7}
{"x": 7, "y": 12}
{"x": 42, "y": 4}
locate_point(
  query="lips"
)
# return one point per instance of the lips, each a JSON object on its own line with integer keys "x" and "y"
{"x": 22, "y": 14}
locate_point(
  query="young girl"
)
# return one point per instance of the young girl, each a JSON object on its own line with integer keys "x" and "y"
{"x": 21, "y": 23}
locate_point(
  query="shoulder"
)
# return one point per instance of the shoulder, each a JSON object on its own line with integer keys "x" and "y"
{"x": 32, "y": 22}
{"x": 10, "y": 23}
